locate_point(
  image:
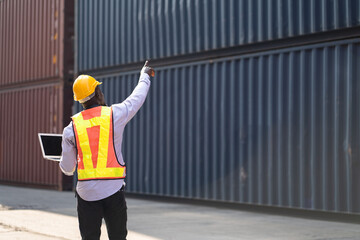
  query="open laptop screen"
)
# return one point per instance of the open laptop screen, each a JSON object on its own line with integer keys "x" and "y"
{"x": 51, "y": 145}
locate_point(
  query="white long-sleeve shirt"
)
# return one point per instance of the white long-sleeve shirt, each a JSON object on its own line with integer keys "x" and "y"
{"x": 122, "y": 113}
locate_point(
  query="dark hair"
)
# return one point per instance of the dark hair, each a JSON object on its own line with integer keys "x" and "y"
{"x": 94, "y": 100}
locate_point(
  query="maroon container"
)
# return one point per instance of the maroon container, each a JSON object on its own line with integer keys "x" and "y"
{"x": 29, "y": 111}
{"x": 31, "y": 36}
{"x": 36, "y": 67}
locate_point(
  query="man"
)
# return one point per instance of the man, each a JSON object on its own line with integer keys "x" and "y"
{"x": 92, "y": 141}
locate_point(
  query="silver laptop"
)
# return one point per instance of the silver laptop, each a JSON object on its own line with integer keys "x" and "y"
{"x": 50, "y": 145}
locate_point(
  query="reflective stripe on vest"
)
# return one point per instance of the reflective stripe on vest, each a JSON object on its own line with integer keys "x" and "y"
{"x": 95, "y": 144}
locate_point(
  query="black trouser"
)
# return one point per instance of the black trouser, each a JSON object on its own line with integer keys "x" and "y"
{"x": 112, "y": 209}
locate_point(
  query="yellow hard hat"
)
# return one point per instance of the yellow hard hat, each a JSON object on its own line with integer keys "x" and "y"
{"x": 84, "y": 88}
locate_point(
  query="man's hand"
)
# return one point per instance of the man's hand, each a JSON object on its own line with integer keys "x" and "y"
{"x": 148, "y": 70}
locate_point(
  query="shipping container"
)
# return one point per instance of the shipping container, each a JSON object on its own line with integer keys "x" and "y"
{"x": 31, "y": 40}
{"x": 36, "y": 68}
{"x": 275, "y": 128}
{"x": 25, "y": 113}
{"x": 111, "y": 33}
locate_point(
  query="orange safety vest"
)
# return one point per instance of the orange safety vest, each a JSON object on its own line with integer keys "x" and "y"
{"x": 95, "y": 145}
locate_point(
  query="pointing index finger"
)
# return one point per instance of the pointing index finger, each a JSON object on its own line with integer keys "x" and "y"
{"x": 146, "y": 63}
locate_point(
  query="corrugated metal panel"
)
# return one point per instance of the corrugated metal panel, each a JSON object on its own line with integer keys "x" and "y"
{"x": 276, "y": 128}
{"x": 118, "y": 32}
{"x": 30, "y": 40}
{"x": 25, "y": 113}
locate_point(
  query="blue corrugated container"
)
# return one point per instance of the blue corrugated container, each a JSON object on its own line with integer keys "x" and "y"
{"x": 276, "y": 128}
{"x": 111, "y": 33}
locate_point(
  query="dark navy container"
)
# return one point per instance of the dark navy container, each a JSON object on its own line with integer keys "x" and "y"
{"x": 111, "y": 33}
{"x": 275, "y": 128}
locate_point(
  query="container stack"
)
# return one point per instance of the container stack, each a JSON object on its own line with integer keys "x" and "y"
{"x": 254, "y": 102}
{"x": 36, "y": 67}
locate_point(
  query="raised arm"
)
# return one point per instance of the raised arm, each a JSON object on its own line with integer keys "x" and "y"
{"x": 132, "y": 104}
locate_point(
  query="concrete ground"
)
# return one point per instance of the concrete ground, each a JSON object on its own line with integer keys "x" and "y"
{"x": 27, "y": 213}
